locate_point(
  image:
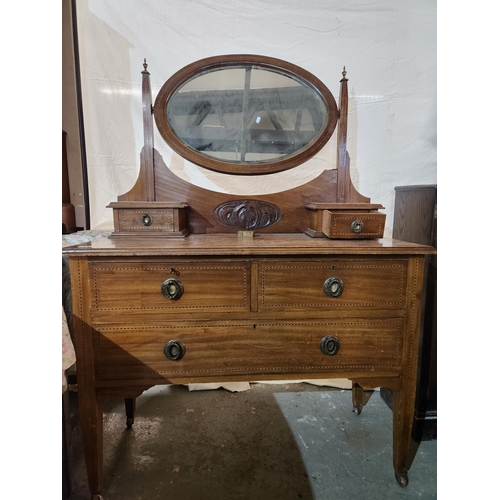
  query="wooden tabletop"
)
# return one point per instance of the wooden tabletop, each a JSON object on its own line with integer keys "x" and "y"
{"x": 233, "y": 244}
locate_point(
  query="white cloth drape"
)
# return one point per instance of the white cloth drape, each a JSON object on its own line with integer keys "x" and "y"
{"x": 387, "y": 46}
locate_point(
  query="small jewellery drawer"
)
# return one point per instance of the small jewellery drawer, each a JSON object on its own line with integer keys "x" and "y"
{"x": 332, "y": 283}
{"x": 146, "y": 220}
{"x": 230, "y": 348}
{"x": 154, "y": 218}
{"x": 353, "y": 225}
{"x": 171, "y": 286}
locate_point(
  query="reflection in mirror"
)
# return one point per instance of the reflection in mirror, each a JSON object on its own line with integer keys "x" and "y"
{"x": 245, "y": 114}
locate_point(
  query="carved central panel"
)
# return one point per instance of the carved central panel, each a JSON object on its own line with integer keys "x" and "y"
{"x": 247, "y": 214}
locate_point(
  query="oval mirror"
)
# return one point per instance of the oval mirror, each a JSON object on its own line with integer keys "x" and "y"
{"x": 245, "y": 114}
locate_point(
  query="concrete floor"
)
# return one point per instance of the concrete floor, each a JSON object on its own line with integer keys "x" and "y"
{"x": 276, "y": 442}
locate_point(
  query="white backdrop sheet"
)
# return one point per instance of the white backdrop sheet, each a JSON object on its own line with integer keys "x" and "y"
{"x": 387, "y": 46}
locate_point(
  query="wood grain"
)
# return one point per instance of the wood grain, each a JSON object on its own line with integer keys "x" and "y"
{"x": 216, "y": 349}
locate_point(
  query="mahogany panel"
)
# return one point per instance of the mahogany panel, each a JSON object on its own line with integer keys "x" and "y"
{"x": 202, "y": 202}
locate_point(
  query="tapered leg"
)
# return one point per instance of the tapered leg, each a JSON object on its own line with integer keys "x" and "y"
{"x": 92, "y": 438}
{"x": 403, "y": 409}
{"x": 130, "y": 411}
{"x": 360, "y": 396}
{"x": 357, "y": 398}
{"x": 404, "y": 395}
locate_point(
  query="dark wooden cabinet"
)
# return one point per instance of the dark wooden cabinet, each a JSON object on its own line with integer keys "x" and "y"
{"x": 415, "y": 220}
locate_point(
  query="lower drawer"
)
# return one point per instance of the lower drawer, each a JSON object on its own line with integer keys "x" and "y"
{"x": 237, "y": 347}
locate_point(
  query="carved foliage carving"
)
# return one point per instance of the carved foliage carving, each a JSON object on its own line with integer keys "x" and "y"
{"x": 247, "y": 214}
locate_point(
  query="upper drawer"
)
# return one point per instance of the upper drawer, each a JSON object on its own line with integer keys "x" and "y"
{"x": 353, "y": 225}
{"x": 337, "y": 283}
{"x": 174, "y": 286}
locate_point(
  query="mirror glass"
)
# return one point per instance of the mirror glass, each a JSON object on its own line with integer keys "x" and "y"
{"x": 248, "y": 117}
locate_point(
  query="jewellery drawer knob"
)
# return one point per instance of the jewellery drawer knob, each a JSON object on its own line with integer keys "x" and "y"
{"x": 329, "y": 345}
{"x": 333, "y": 287}
{"x": 147, "y": 220}
{"x": 174, "y": 350}
{"x": 357, "y": 226}
{"x": 172, "y": 289}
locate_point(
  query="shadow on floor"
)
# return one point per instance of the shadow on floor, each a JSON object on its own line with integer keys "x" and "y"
{"x": 276, "y": 442}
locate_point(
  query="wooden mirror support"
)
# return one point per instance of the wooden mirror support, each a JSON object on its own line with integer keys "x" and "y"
{"x": 163, "y": 205}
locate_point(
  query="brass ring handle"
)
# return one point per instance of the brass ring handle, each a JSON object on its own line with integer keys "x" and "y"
{"x": 357, "y": 226}
{"x": 174, "y": 350}
{"x": 329, "y": 345}
{"x": 147, "y": 220}
{"x": 333, "y": 287}
{"x": 172, "y": 289}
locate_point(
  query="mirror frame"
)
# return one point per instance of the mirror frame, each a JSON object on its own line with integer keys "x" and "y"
{"x": 261, "y": 62}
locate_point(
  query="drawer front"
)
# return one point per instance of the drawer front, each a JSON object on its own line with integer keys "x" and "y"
{"x": 146, "y": 219}
{"x": 353, "y": 225}
{"x": 232, "y": 348}
{"x": 144, "y": 287}
{"x": 324, "y": 285}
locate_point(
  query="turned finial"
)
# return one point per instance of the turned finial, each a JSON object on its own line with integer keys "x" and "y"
{"x": 343, "y": 72}
{"x": 145, "y": 64}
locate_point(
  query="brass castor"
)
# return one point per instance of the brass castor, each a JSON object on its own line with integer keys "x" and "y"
{"x": 356, "y": 409}
{"x": 130, "y": 421}
{"x": 402, "y": 479}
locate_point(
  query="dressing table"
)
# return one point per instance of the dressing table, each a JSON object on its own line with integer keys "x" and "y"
{"x": 201, "y": 286}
